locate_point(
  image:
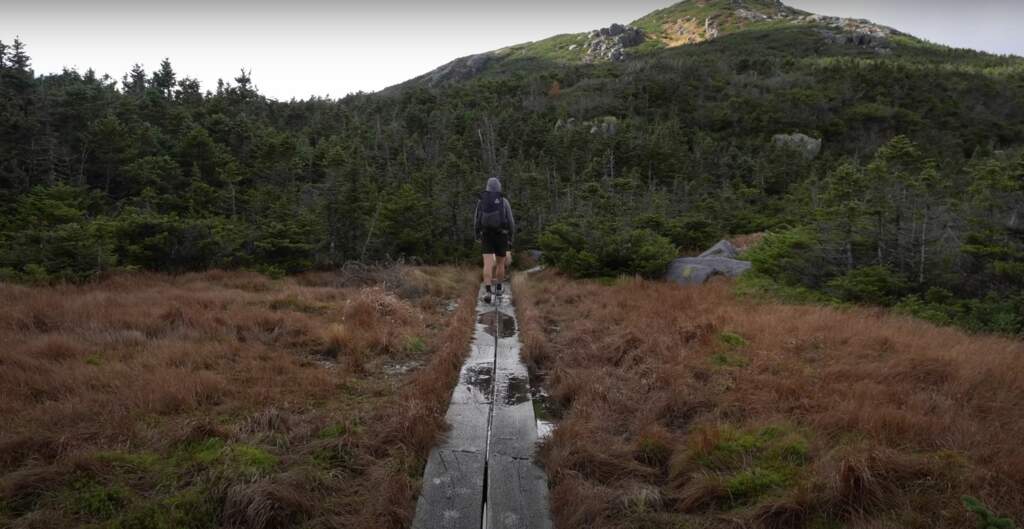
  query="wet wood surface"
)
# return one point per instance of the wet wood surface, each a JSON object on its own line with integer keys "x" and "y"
{"x": 487, "y": 456}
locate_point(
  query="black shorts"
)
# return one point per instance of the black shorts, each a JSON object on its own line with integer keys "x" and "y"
{"x": 494, "y": 241}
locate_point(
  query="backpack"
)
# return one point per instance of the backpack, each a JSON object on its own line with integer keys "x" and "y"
{"x": 492, "y": 210}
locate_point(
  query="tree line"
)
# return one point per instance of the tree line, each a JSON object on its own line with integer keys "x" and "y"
{"x": 612, "y": 168}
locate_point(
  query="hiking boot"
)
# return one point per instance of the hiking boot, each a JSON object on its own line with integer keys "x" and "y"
{"x": 487, "y": 298}
{"x": 499, "y": 288}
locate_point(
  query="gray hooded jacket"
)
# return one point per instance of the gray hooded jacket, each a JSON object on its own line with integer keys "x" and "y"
{"x": 493, "y": 184}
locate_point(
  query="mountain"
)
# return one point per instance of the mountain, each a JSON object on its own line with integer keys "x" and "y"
{"x": 685, "y": 23}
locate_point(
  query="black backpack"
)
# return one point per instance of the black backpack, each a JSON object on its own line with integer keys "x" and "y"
{"x": 492, "y": 210}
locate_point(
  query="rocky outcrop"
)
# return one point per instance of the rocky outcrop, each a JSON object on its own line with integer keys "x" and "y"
{"x": 807, "y": 146}
{"x": 607, "y": 125}
{"x": 461, "y": 69}
{"x": 610, "y": 43}
{"x": 689, "y": 30}
{"x": 852, "y": 31}
{"x": 720, "y": 259}
{"x": 752, "y": 16}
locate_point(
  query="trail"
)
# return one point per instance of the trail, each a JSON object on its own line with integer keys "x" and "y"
{"x": 483, "y": 474}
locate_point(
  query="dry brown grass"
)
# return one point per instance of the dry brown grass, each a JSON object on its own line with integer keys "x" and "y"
{"x": 690, "y": 407}
{"x": 273, "y": 403}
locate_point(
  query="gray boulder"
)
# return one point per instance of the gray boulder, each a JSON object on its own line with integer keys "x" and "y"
{"x": 719, "y": 260}
{"x": 802, "y": 143}
{"x": 688, "y": 274}
{"x": 722, "y": 248}
{"x": 697, "y": 270}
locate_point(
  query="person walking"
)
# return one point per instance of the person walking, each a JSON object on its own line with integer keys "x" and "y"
{"x": 495, "y": 228}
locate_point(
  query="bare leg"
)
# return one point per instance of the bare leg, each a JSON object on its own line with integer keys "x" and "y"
{"x": 499, "y": 268}
{"x": 488, "y": 268}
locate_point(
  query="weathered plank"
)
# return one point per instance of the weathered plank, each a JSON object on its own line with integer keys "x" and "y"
{"x": 452, "y": 492}
{"x": 517, "y": 494}
{"x": 517, "y": 491}
{"x": 491, "y": 441}
{"x": 452, "y": 496}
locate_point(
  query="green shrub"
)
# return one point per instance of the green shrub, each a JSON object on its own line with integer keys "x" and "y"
{"x": 875, "y": 285}
{"x": 992, "y": 313}
{"x": 791, "y": 257}
{"x": 606, "y": 250}
{"x": 986, "y": 518}
{"x": 95, "y": 500}
{"x": 732, "y": 340}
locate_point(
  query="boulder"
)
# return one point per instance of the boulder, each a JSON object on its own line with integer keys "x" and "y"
{"x": 722, "y": 248}
{"x": 609, "y": 44}
{"x": 688, "y": 274}
{"x": 804, "y": 144}
{"x": 719, "y": 260}
{"x": 697, "y": 270}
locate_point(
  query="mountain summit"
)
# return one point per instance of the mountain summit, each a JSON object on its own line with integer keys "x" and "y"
{"x": 685, "y": 23}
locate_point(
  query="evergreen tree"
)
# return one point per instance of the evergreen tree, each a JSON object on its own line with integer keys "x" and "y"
{"x": 164, "y": 79}
{"x": 134, "y": 82}
{"x": 18, "y": 58}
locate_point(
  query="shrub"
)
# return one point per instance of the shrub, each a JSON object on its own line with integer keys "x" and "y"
{"x": 986, "y": 518}
{"x": 791, "y": 257}
{"x": 606, "y": 251}
{"x": 876, "y": 285}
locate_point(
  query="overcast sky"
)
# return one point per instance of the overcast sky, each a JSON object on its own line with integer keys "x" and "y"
{"x": 299, "y": 48}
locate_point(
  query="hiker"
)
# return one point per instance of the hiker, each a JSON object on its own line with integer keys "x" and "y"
{"x": 494, "y": 228}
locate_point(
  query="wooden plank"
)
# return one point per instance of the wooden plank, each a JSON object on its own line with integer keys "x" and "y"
{"x": 517, "y": 494}
{"x": 491, "y": 442}
{"x": 452, "y": 495}
{"x": 517, "y": 490}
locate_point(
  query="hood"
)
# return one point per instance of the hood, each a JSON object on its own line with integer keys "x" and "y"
{"x": 493, "y": 184}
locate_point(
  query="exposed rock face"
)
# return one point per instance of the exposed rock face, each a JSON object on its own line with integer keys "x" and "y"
{"x": 689, "y": 30}
{"x": 852, "y": 31}
{"x": 804, "y": 144}
{"x": 720, "y": 259}
{"x": 610, "y": 43}
{"x": 460, "y": 69}
{"x": 753, "y": 16}
{"x": 606, "y": 125}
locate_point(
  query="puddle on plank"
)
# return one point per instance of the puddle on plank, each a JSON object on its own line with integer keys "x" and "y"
{"x": 502, "y": 322}
{"x": 480, "y": 377}
{"x": 517, "y": 391}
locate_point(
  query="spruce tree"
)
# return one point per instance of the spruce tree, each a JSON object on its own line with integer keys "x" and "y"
{"x": 19, "y": 59}
{"x": 164, "y": 78}
{"x": 134, "y": 82}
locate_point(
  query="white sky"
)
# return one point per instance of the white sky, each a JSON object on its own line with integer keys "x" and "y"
{"x": 334, "y": 47}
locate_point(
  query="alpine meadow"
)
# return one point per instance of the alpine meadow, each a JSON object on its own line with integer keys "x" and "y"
{"x": 224, "y": 310}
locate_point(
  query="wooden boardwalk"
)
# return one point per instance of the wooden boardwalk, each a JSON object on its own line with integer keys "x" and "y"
{"x": 483, "y": 474}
